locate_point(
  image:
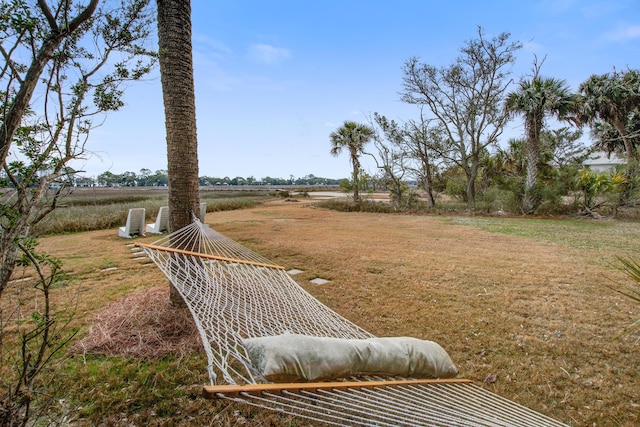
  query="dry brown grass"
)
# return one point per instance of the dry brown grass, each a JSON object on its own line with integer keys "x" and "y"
{"x": 529, "y": 319}
{"x": 533, "y": 318}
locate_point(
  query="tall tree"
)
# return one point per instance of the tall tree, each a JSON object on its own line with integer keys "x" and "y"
{"x": 535, "y": 98}
{"x": 606, "y": 138}
{"x": 352, "y": 136}
{"x": 57, "y": 74}
{"x": 392, "y": 157}
{"x": 176, "y": 72}
{"x": 62, "y": 65}
{"x": 422, "y": 139}
{"x": 615, "y": 100}
{"x": 466, "y": 99}
{"x": 408, "y": 149}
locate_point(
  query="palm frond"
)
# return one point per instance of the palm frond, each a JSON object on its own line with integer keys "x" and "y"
{"x": 634, "y": 327}
{"x": 632, "y": 269}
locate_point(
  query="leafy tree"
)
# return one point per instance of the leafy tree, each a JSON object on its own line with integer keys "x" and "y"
{"x": 128, "y": 179}
{"x": 563, "y": 153}
{"x": 143, "y": 177}
{"x": 63, "y": 64}
{"x": 614, "y": 99}
{"x": 422, "y": 143}
{"x": 159, "y": 178}
{"x": 352, "y": 136}
{"x": 611, "y": 102}
{"x": 465, "y": 99}
{"x": 566, "y": 148}
{"x": 42, "y": 333}
{"x": 108, "y": 179}
{"x": 391, "y": 159}
{"x": 507, "y": 167}
{"x": 607, "y": 138}
{"x": 535, "y": 98}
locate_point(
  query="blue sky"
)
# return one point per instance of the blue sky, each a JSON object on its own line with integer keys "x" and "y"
{"x": 274, "y": 78}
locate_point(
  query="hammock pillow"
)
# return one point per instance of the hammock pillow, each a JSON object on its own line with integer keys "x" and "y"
{"x": 295, "y": 358}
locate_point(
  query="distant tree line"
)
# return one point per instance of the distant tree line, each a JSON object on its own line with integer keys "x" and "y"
{"x": 159, "y": 178}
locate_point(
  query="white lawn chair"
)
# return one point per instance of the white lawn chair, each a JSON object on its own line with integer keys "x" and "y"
{"x": 203, "y": 211}
{"x": 160, "y": 226}
{"x": 135, "y": 224}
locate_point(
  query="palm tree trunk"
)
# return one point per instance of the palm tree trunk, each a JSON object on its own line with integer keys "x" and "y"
{"x": 356, "y": 180}
{"x": 530, "y": 199}
{"x": 176, "y": 72}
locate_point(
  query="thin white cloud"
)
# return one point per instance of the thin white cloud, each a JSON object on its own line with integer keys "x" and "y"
{"x": 210, "y": 46}
{"x": 623, "y": 33}
{"x": 267, "y": 54}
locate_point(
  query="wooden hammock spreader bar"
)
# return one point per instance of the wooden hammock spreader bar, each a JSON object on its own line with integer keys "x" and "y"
{"x": 221, "y": 391}
{"x": 207, "y": 256}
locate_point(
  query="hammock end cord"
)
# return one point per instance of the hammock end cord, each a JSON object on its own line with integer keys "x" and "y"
{"x": 195, "y": 218}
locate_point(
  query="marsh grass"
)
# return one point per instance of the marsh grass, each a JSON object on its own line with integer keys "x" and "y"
{"x": 92, "y": 211}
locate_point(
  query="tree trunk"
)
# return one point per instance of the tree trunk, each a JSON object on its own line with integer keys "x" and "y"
{"x": 472, "y": 173}
{"x": 428, "y": 185}
{"x": 530, "y": 199}
{"x": 356, "y": 179}
{"x": 176, "y": 72}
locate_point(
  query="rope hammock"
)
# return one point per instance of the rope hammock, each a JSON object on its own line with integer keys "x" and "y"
{"x": 235, "y": 294}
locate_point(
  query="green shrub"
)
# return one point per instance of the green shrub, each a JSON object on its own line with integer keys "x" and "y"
{"x": 495, "y": 199}
{"x": 343, "y": 205}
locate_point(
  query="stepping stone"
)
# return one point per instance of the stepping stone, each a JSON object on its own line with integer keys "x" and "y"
{"x": 294, "y": 271}
{"x": 319, "y": 281}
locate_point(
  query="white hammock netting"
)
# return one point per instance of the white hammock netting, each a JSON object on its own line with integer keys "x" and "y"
{"x": 234, "y": 294}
